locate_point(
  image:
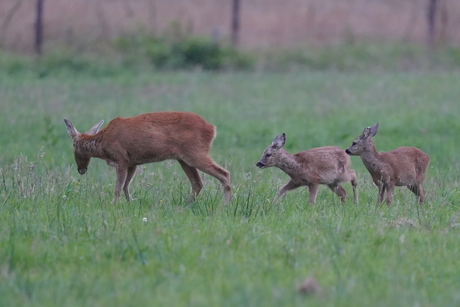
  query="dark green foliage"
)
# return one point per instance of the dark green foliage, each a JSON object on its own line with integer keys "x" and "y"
{"x": 50, "y": 135}
{"x": 182, "y": 52}
{"x": 177, "y": 50}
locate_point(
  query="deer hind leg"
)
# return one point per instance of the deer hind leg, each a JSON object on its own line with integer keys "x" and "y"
{"x": 418, "y": 191}
{"x": 354, "y": 183}
{"x": 129, "y": 177}
{"x": 208, "y": 166}
{"x": 194, "y": 177}
{"x": 422, "y": 194}
{"x": 122, "y": 173}
{"x": 289, "y": 186}
{"x": 339, "y": 190}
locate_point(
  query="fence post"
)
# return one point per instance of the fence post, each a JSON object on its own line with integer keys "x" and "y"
{"x": 431, "y": 19}
{"x": 235, "y": 23}
{"x": 39, "y": 27}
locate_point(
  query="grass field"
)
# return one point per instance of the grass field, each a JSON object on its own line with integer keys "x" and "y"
{"x": 62, "y": 242}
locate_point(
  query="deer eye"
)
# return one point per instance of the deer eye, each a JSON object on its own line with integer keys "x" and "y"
{"x": 268, "y": 155}
{"x": 353, "y": 144}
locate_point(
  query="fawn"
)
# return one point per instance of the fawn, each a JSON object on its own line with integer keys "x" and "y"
{"x": 328, "y": 165}
{"x": 404, "y": 166}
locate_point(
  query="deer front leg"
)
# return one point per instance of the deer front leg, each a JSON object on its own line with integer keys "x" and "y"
{"x": 122, "y": 173}
{"x": 382, "y": 188}
{"x": 313, "y": 192}
{"x": 390, "y": 193}
{"x": 290, "y": 185}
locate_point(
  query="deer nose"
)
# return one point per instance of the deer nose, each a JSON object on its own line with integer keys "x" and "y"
{"x": 82, "y": 171}
{"x": 260, "y": 164}
{"x": 347, "y": 151}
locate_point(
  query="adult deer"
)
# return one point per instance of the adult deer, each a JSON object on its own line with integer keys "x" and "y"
{"x": 126, "y": 143}
{"x": 328, "y": 165}
{"x": 404, "y": 166}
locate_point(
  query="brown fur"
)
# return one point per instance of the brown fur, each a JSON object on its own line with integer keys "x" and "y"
{"x": 126, "y": 143}
{"x": 404, "y": 166}
{"x": 328, "y": 165}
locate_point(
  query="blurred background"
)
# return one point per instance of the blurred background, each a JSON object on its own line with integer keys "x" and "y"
{"x": 292, "y": 31}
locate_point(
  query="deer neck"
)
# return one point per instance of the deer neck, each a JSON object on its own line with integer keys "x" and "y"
{"x": 371, "y": 159}
{"x": 288, "y": 163}
{"x": 90, "y": 145}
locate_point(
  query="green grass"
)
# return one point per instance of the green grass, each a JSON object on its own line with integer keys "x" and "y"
{"x": 62, "y": 243}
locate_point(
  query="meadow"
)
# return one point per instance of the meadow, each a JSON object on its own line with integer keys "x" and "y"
{"x": 62, "y": 242}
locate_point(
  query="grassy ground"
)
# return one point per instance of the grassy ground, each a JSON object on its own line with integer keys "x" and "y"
{"x": 63, "y": 243}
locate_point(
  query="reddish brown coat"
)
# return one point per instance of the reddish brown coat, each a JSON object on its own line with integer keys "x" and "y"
{"x": 126, "y": 143}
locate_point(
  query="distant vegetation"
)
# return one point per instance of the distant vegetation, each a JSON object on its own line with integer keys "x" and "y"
{"x": 178, "y": 50}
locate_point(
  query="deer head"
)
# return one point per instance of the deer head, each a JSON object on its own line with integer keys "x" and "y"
{"x": 271, "y": 153}
{"x": 363, "y": 141}
{"x": 82, "y": 158}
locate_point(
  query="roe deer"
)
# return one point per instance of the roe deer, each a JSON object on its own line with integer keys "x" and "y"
{"x": 404, "y": 166}
{"x": 126, "y": 143}
{"x": 328, "y": 165}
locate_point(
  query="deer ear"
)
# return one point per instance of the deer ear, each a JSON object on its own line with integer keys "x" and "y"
{"x": 71, "y": 129}
{"x": 374, "y": 129}
{"x": 371, "y": 131}
{"x": 95, "y": 128}
{"x": 279, "y": 141}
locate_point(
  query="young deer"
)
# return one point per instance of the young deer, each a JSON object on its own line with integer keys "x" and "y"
{"x": 323, "y": 165}
{"x": 126, "y": 143}
{"x": 404, "y": 166}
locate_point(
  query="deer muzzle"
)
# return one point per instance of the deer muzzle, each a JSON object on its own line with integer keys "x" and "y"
{"x": 260, "y": 164}
{"x": 82, "y": 171}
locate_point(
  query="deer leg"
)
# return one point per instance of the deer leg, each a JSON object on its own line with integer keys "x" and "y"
{"x": 289, "y": 186}
{"x": 313, "y": 192}
{"x": 354, "y": 183}
{"x": 194, "y": 177}
{"x": 382, "y": 188}
{"x": 208, "y": 166}
{"x": 339, "y": 190}
{"x": 421, "y": 197}
{"x": 129, "y": 177}
{"x": 418, "y": 191}
{"x": 390, "y": 193}
{"x": 122, "y": 173}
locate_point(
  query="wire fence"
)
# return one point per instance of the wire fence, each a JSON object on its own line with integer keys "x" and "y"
{"x": 88, "y": 24}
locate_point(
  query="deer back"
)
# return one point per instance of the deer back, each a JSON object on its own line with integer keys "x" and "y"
{"x": 405, "y": 164}
{"x": 149, "y": 137}
{"x": 324, "y": 164}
